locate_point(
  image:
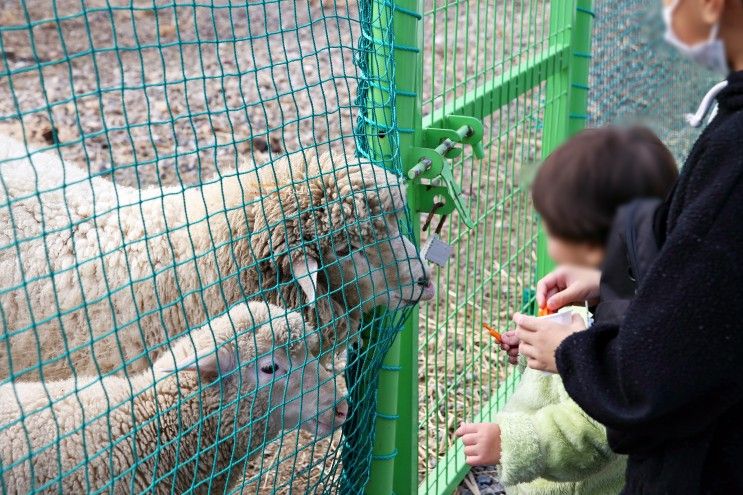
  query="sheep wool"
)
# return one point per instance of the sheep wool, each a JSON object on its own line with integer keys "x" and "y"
{"x": 189, "y": 422}
{"x": 97, "y": 276}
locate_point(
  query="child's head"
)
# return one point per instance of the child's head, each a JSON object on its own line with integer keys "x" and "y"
{"x": 582, "y": 183}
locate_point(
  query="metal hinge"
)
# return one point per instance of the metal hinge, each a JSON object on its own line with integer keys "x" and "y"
{"x": 433, "y": 165}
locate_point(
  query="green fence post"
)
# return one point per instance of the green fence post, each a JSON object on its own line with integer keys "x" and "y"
{"x": 567, "y": 90}
{"x": 408, "y": 32}
{"x": 395, "y": 451}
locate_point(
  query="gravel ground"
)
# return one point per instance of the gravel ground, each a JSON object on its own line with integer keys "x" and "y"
{"x": 206, "y": 85}
{"x": 481, "y": 480}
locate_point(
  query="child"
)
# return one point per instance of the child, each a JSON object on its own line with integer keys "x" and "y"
{"x": 543, "y": 442}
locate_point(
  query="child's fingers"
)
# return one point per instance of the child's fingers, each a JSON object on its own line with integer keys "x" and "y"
{"x": 474, "y": 460}
{"x": 527, "y": 350}
{"x": 526, "y": 322}
{"x": 461, "y": 430}
{"x": 550, "y": 293}
{"x": 470, "y": 438}
{"x": 510, "y": 339}
{"x": 471, "y": 450}
{"x": 544, "y": 286}
{"x": 525, "y": 337}
{"x": 509, "y": 347}
{"x": 465, "y": 428}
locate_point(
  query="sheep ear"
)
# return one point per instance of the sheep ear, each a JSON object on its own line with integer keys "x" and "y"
{"x": 210, "y": 363}
{"x": 305, "y": 270}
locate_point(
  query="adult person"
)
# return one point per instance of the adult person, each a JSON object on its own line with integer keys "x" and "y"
{"x": 667, "y": 381}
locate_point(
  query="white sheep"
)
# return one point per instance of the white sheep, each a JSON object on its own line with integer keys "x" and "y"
{"x": 191, "y": 421}
{"x": 95, "y": 276}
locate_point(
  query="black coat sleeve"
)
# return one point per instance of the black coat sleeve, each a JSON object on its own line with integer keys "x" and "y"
{"x": 675, "y": 363}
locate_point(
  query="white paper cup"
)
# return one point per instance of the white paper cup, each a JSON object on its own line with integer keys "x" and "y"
{"x": 562, "y": 318}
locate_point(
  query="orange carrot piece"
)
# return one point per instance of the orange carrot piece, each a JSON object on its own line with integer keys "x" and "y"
{"x": 493, "y": 332}
{"x": 544, "y": 311}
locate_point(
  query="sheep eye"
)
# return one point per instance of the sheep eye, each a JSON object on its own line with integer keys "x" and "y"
{"x": 270, "y": 369}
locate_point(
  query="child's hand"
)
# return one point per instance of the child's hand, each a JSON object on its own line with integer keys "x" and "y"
{"x": 540, "y": 338}
{"x": 568, "y": 284}
{"x": 481, "y": 443}
{"x": 510, "y": 344}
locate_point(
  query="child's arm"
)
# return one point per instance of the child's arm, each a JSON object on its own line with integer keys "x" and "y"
{"x": 558, "y": 442}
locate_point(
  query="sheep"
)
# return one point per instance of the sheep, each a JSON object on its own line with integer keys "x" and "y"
{"x": 191, "y": 421}
{"x": 96, "y": 276}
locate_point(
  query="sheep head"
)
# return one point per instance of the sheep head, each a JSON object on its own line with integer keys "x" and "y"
{"x": 256, "y": 360}
{"x": 341, "y": 217}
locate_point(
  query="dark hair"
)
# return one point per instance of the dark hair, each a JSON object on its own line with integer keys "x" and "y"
{"x": 582, "y": 183}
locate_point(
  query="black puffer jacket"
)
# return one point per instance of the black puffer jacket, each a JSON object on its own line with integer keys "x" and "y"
{"x": 668, "y": 381}
{"x": 631, "y": 249}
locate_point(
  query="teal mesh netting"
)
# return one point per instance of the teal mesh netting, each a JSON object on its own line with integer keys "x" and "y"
{"x": 193, "y": 236}
{"x": 636, "y": 76}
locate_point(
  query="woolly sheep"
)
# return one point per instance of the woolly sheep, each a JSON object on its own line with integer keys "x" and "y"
{"x": 85, "y": 256}
{"x": 192, "y": 420}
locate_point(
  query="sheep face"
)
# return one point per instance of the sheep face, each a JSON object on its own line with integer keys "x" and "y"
{"x": 387, "y": 272}
{"x": 341, "y": 217}
{"x": 248, "y": 375}
{"x": 268, "y": 373}
{"x": 300, "y": 392}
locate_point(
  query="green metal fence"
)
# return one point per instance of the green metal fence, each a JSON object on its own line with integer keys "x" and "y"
{"x": 507, "y": 82}
{"x": 153, "y": 102}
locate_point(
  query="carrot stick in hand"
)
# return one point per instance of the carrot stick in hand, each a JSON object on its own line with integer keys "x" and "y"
{"x": 492, "y": 331}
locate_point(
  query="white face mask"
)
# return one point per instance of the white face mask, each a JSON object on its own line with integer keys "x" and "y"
{"x": 709, "y": 54}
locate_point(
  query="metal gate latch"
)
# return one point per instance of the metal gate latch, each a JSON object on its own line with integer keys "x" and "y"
{"x": 436, "y": 250}
{"x": 434, "y": 166}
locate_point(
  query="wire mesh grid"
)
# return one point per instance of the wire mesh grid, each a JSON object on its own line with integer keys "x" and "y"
{"x": 467, "y": 45}
{"x": 636, "y": 77}
{"x": 163, "y": 162}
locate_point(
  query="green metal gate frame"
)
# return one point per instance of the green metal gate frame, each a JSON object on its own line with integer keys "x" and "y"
{"x": 564, "y": 67}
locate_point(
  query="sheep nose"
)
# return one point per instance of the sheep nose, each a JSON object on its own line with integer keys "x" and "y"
{"x": 341, "y": 412}
{"x": 423, "y": 282}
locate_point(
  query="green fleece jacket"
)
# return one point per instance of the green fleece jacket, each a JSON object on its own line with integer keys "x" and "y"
{"x": 550, "y": 446}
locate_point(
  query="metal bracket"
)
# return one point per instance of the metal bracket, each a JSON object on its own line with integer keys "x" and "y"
{"x": 432, "y": 164}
